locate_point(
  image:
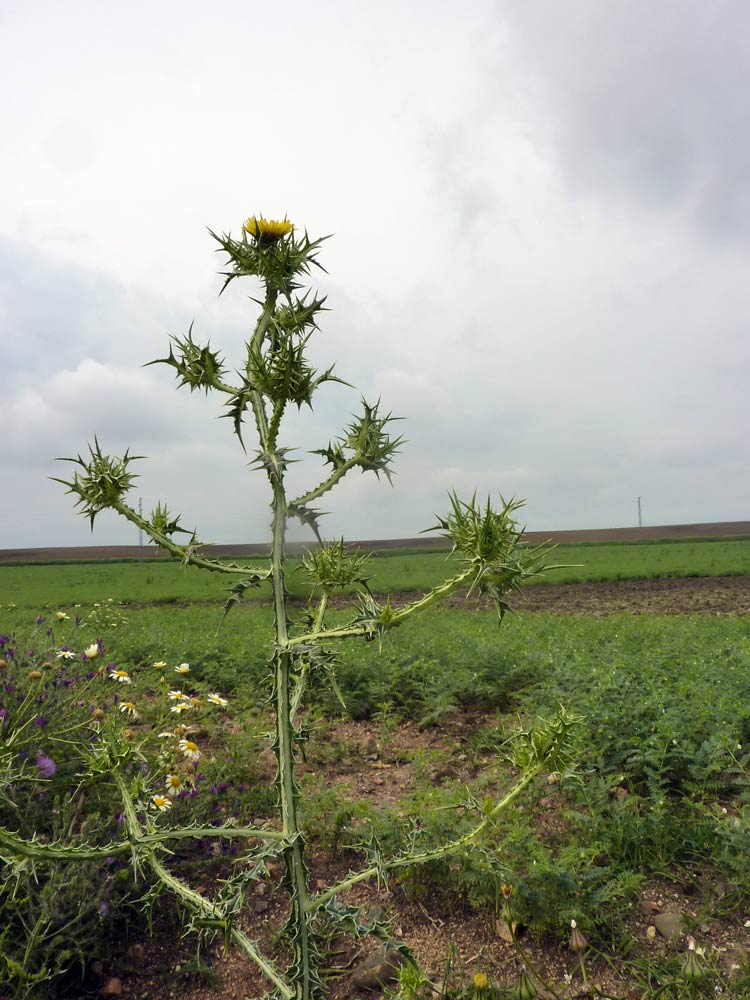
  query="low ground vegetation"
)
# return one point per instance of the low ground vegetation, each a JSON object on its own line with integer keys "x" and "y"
{"x": 657, "y": 815}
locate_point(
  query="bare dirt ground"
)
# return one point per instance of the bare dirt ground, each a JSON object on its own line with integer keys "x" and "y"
{"x": 718, "y": 595}
{"x": 375, "y": 769}
{"x": 85, "y": 553}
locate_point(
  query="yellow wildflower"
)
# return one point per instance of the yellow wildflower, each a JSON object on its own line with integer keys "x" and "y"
{"x": 161, "y": 802}
{"x": 267, "y": 229}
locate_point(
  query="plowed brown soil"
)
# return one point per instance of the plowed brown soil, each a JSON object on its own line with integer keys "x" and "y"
{"x": 717, "y": 595}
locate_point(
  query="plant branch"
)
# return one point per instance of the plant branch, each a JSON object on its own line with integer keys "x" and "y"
{"x": 434, "y": 854}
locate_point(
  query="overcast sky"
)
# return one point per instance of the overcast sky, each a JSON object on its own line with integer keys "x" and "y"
{"x": 540, "y": 219}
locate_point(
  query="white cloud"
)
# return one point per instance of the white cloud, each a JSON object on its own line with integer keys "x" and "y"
{"x": 537, "y": 254}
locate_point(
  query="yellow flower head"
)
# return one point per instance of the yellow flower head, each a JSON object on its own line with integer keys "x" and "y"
{"x": 122, "y": 676}
{"x": 159, "y": 665}
{"x": 216, "y": 699}
{"x": 184, "y": 668}
{"x": 128, "y": 707}
{"x": 60, "y": 615}
{"x": 481, "y": 982}
{"x": 269, "y": 230}
{"x": 161, "y": 802}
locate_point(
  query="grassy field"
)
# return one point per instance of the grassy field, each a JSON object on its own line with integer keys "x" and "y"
{"x": 663, "y": 788}
{"x": 163, "y": 582}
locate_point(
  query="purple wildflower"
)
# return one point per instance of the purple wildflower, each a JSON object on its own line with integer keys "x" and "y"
{"x": 40, "y": 721}
{"x": 46, "y": 765}
{"x": 40, "y": 620}
{"x": 3, "y": 640}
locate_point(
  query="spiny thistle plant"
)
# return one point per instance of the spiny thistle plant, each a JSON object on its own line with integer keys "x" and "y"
{"x": 276, "y": 375}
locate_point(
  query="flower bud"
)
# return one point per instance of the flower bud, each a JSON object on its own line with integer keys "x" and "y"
{"x": 692, "y": 969}
{"x": 577, "y": 941}
{"x": 525, "y": 989}
{"x": 481, "y": 983}
{"x": 35, "y": 675}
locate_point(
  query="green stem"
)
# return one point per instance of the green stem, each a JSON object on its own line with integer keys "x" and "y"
{"x": 256, "y": 399}
{"x": 347, "y": 631}
{"x": 301, "y": 934}
{"x": 432, "y": 855}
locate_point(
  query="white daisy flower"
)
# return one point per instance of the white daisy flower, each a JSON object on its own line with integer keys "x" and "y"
{"x": 122, "y": 676}
{"x": 91, "y": 652}
{"x": 174, "y": 784}
{"x": 66, "y": 654}
{"x": 190, "y": 750}
{"x": 216, "y": 699}
{"x": 161, "y": 802}
{"x": 184, "y": 668}
{"x": 128, "y": 707}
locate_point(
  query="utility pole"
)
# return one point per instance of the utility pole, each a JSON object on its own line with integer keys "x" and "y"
{"x": 640, "y": 519}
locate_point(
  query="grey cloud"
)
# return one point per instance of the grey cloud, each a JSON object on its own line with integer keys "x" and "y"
{"x": 650, "y": 101}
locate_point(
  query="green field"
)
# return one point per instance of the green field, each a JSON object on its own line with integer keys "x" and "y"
{"x": 663, "y": 786}
{"x": 157, "y": 582}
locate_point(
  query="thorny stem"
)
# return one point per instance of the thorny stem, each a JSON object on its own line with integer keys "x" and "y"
{"x": 206, "y": 909}
{"x": 53, "y": 852}
{"x": 326, "y": 484}
{"x": 183, "y": 551}
{"x": 203, "y": 907}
